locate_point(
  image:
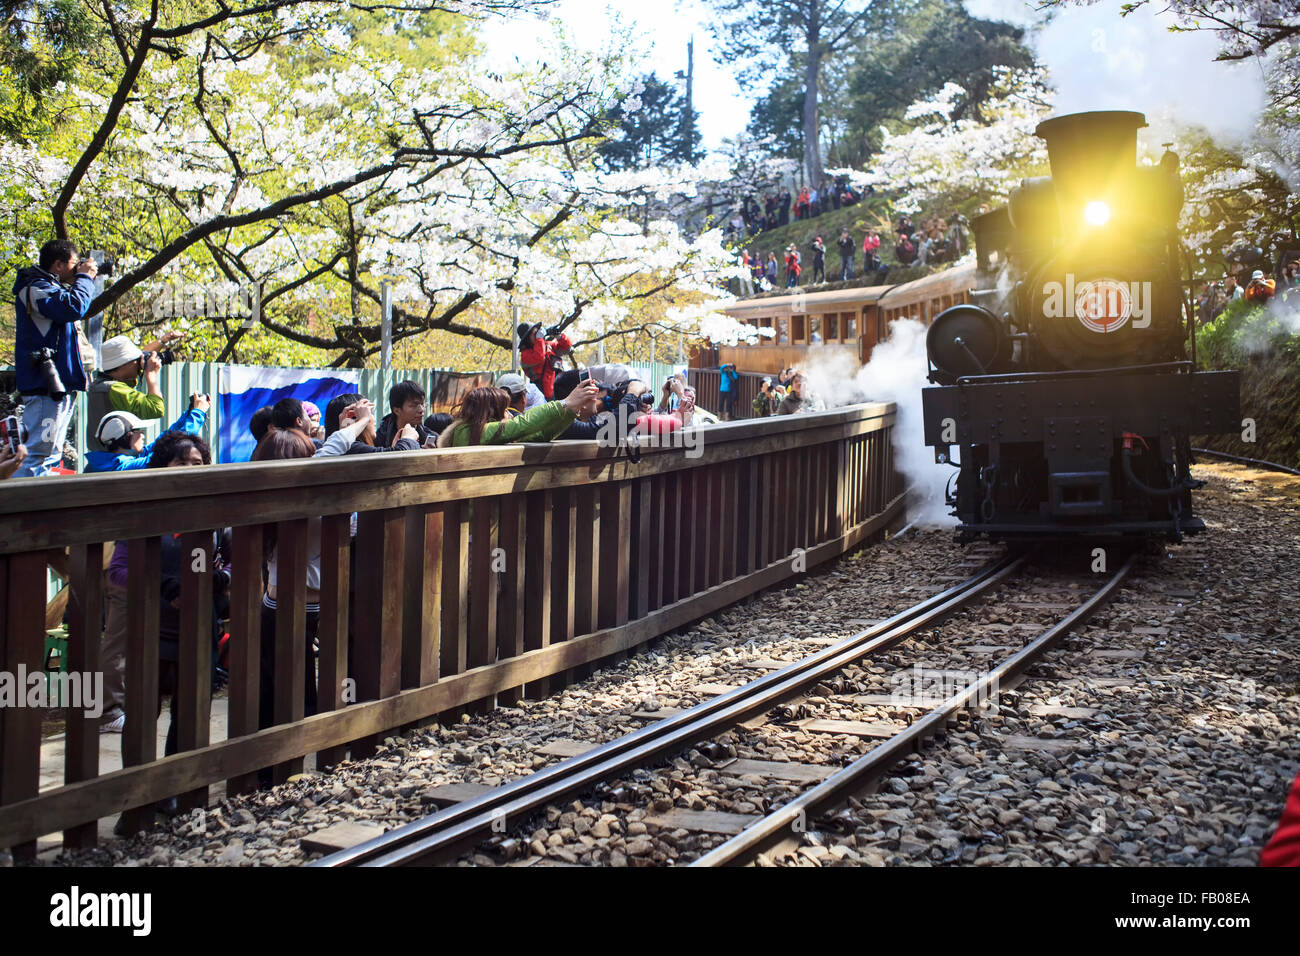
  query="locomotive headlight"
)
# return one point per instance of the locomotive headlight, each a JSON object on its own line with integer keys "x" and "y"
{"x": 1096, "y": 213}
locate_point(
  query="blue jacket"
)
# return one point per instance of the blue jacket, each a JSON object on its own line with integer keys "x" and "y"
{"x": 191, "y": 423}
{"x": 57, "y": 307}
{"x": 727, "y": 379}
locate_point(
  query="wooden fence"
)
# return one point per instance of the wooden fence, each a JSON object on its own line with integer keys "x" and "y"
{"x": 475, "y": 575}
{"x": 705, "y": 381}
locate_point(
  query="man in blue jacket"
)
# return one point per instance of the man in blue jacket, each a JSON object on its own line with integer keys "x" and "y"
{"x": 49, "y": 300}
{"x": 123, "y": 435}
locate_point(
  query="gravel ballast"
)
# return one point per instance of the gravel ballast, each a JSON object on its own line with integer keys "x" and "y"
{"x": 1169, "y": 725}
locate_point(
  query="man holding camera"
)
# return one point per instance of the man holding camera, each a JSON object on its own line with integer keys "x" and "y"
{"x": 114, "y": 388}
{"x": 540, "y": 355}
{"x": 50, "y": 299}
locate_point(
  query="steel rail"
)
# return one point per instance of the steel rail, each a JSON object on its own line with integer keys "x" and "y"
{"x": 1243, "y": 460}
{"x": 470, "y": 821}
{"x": 783, "y": 828}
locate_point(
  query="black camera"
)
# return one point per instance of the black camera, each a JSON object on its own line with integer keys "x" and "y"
{"x": 103, "y": 262}
{"x": 614, "y": 394}
{"x": 12, "y": 430}
{"x": 553, "y": 332}
{"x": 165, "y": 356}
{"x": 43, "y": 361}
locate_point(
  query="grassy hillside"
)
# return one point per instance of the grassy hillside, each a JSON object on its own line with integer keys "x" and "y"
{"x": 870, "y": 214}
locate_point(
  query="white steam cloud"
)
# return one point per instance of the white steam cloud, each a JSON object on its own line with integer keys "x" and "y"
{"x": 896, "y": 373}
{"x": 1100, "y": 60}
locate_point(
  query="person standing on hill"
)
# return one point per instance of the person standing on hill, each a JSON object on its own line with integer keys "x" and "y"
{"x": 819, "y": 260}
{"x": 846, "y": 246}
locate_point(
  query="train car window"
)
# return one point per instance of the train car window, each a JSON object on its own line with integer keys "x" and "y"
{"x": 799, "y": 328}
{"x": 833, "y": 327}
{"x": 850, "y": 326}
{"x": 815, "y": 328}
{"x": 783, "y": 331}
{"x": 765, "y": 322}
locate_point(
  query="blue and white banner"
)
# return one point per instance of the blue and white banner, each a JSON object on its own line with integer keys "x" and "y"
{"x": 243, "y": 389}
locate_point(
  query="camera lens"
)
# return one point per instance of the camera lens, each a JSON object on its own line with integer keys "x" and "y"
{"x": 166, "y": 356}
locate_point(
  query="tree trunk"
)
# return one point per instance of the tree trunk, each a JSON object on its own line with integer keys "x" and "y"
{"x": 812, "y": 71}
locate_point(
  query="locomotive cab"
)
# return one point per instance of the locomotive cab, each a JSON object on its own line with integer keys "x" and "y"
{"x": 1064, "y": 385}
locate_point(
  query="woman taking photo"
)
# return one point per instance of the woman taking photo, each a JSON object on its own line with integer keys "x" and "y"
{"x": 480, "y": 419}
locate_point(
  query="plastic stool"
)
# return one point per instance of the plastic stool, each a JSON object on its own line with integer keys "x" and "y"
{"x": 56, "y": 645}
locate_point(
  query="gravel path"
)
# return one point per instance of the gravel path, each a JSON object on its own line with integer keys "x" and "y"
{"x": 1190, "y": 683}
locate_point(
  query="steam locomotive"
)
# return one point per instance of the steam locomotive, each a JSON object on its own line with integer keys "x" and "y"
{"x": 1062, "y": 390}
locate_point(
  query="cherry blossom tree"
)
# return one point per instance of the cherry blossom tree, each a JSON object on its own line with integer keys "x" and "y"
{"x": 282, "y": 144}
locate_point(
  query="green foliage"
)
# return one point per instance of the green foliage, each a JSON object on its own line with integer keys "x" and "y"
{"x": 41, "y": 45}
{"x": 1245, "y": 331}
{"x": 660, "y": 132}
{"x": 777, "y": 118}
{"x": 932, "y": 43}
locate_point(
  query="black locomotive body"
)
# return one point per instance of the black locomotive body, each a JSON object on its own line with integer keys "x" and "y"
{"x": 1064, "y": 385}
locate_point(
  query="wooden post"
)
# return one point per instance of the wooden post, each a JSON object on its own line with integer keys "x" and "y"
{"x": 332, "y": 631}
{"x": 377, "y": 623}
{"x": 140, "y": 737}
{"x": 23, "y": 643}
{"x": 483, "y": 580}
{"x": 538, "y": 601}
{"x": 85, "y": 611}
{"x": 244, "y": 654}
{"x": 194, "y": 664}
{"x": 453, "y": 647}
{"x": 510, "y": 616}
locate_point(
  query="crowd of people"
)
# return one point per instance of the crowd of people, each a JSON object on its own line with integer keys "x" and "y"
{"x": 127, "y": 406}
{"x": 778, "y": 208}
{"x": 546, "y": 403}
{"x": 933, "y": 242}
{"x": 1260, "y": 288}
{"x": 788, "y": 395}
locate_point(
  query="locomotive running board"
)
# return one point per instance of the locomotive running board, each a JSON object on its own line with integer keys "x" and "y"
{"x": 1201, "y": 403}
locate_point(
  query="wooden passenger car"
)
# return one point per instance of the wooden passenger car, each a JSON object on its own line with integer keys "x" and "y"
{"x": 852, "y": 320}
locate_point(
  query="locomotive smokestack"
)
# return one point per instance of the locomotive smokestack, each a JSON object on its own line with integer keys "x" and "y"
{"x": 1094, "y": 159}
{"x": 1090, "y": 151}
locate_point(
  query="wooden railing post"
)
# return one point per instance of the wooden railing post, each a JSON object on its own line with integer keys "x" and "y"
{"x": 85, "y": 613}
{"x": 377, "y": 623}
{"x": 140, "y": 737}
{"x": 538, "y": 595}
{"x": 192, "y": 698}
{"x": 244, "y": 654}
{"x": 23, "y": 643}
{"x": 510, "y": 615}
{"x": 332, "y": 633}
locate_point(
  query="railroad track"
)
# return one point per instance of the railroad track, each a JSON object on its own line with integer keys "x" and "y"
{"x": 448, "y": 833}
{"x": 1241, "y": 460}
{"x": 782, "y": 829}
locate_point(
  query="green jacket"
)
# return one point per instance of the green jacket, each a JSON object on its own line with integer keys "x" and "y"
{"x": 541, "y": 423}
{"x": 108, "y": 395}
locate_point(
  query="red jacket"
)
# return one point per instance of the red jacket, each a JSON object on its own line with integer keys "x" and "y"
{"x": 538, "y": 361}
{"x": 1284, "y": 848}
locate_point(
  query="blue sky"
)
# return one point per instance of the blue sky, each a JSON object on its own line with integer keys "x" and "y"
{"x": 660, "y": 30}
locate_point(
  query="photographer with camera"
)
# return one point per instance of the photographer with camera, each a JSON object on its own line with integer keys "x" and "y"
{"x": 540, "y": 355}
{"x": 50, "y": 299}
{"x": 115, "y": 386}
{"x": 122, "y": 436}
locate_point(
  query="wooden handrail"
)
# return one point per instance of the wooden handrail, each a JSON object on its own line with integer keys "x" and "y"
{"x": 474, "y": 575}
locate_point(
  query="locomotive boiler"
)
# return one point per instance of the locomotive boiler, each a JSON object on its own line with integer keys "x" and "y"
{"x": 1062, "y": 390}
